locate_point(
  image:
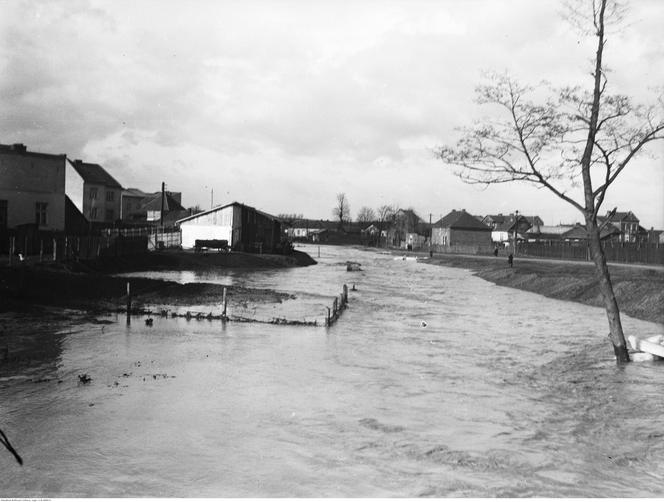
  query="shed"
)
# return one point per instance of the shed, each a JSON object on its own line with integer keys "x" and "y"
{"x": 244, "y": 227}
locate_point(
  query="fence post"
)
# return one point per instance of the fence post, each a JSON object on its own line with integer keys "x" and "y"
{"x": 128, "y": 303}
{"x": 345, "y": 294}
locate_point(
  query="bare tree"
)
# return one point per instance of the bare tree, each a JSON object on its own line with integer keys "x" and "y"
{"x": 385, "y": 215}
{"x": 341, "y": 211}
{"x": 575, "y": 139}
{"x": 366, "y": 215}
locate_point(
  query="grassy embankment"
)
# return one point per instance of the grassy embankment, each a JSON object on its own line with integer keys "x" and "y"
{"x": 639, "y": 290}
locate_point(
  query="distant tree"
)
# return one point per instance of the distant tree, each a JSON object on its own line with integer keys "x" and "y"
{"x": 341, "y": 211}
{"x": 366, "y": 215}
{"x": 575, "y": 139}
{"x": 385, "y": 216}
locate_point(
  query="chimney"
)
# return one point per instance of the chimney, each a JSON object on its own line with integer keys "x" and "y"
{"x": 19, "y": 147}
{"x": 78, "y": 162}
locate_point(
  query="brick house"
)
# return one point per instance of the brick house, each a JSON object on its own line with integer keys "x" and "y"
{"x": 460, "y": 231}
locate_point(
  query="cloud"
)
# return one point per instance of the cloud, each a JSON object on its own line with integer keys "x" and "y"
{"x": 283, "y": 104}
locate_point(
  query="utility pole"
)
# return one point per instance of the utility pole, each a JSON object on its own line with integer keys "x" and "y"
{"x": 163, "y": 194}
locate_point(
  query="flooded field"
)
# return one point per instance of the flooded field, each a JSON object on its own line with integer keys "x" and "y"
{"x": 432, "y": 383}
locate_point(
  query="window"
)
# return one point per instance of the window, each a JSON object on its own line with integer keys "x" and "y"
{"x": 3, "y": 214}
{"x": 110, "y": 196}
{"x": 109, "y": 215}
{"x": 93, "y": 193}
{"x": 40, "y": 213}
{"x": 93, "y": 213}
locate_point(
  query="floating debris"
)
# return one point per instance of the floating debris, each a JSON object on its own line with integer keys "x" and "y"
{"x": 84, "y": 378}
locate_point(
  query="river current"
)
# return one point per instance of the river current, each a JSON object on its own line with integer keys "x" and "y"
{"x": 432, "y": 383}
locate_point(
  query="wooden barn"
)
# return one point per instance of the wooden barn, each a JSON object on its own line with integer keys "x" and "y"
{"x": 244, "y": 227}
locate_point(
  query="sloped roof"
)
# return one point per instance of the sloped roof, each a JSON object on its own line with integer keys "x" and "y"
{"x": 133, "y": 192}
{"x": 622, "y": 215}
{"x": 461, "y": 220}
{"x": 579, "y": 232}
{"x": 153, "y": 203}
{"x": 219, "y": 208}
{"x": 549, "y": 229}
{"x": 94, "y": 173}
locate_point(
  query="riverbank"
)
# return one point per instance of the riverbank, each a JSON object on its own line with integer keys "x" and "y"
{"x": 639, "y": 290}
{"x": 91, "y": 287}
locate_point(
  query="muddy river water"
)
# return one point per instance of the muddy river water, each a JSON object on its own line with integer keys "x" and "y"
{"x": 432, "y": 383}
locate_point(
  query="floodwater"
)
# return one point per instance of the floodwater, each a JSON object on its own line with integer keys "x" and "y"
{"x": 501, "y": 393}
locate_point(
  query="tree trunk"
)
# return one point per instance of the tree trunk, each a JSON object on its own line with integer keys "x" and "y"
{"x": 616, "y": 334}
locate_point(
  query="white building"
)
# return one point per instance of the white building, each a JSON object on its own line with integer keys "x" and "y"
{"x": 244, "y": 227}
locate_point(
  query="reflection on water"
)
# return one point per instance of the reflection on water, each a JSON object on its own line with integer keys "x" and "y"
{"x": 502, "y": 393}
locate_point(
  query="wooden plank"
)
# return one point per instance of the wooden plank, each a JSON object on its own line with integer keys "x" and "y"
{"x": 646, "y": 345}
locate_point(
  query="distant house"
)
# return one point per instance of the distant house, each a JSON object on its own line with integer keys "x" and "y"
{"x": 370, "y": 236}
{"x": 547, "y": 233}
{"x": 141, "y": 207}
{"x": 95, "y": 193}
{"x": 32, "y": 189}
{"x": 579, "y": 233}
{"x": 503, "y": 227}
{"x": 461, "y": 230}
{"x": 626, "y": 222}
{"x": 407, "y": 229}
{"x": 244, "y": 227}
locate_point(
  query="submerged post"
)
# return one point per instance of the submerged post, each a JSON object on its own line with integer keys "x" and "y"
{"x": 345, "y": 294}
{"x": 225, "y": 303}
{"x": 128, "y": 303}
{"x": 328, "y": 316}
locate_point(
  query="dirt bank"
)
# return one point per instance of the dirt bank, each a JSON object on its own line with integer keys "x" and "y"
{"x": 89, "y": 286}
{"x": 639, "y": 291}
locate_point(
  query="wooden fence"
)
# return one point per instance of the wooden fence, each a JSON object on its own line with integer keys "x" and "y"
{"x": 617, "y": 252}
{"x": 66, "y": 247}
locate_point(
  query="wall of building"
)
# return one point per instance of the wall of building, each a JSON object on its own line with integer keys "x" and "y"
{"x": 27, "y": 179}
{"x": 470, "y": 238}
{"x": 74, "y": 187}
{"x": 221, "y": 224}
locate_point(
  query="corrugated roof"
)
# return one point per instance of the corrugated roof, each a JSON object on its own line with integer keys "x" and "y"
{"x": 94, "y": 173}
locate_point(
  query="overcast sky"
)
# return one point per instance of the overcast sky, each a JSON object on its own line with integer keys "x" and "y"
{"x": 283, "y": 104}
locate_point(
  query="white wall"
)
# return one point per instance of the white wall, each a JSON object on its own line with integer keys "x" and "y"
{"x": 192, "y": 232}
{"x": 74, "y": 187}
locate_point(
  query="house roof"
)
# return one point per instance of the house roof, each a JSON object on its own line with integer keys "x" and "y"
{"x": 94, "y": 173}
{"x": 549, "y": 229}
{"x": 219, "y": 208}
{"x": 461, "y": 220}
{"x": 579, "y": 232}
{"x": 21, "y": 149}
{"x": 153, "y": 203}
{"x": 133, "y": 192}
{"x": 618, "y": 216}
